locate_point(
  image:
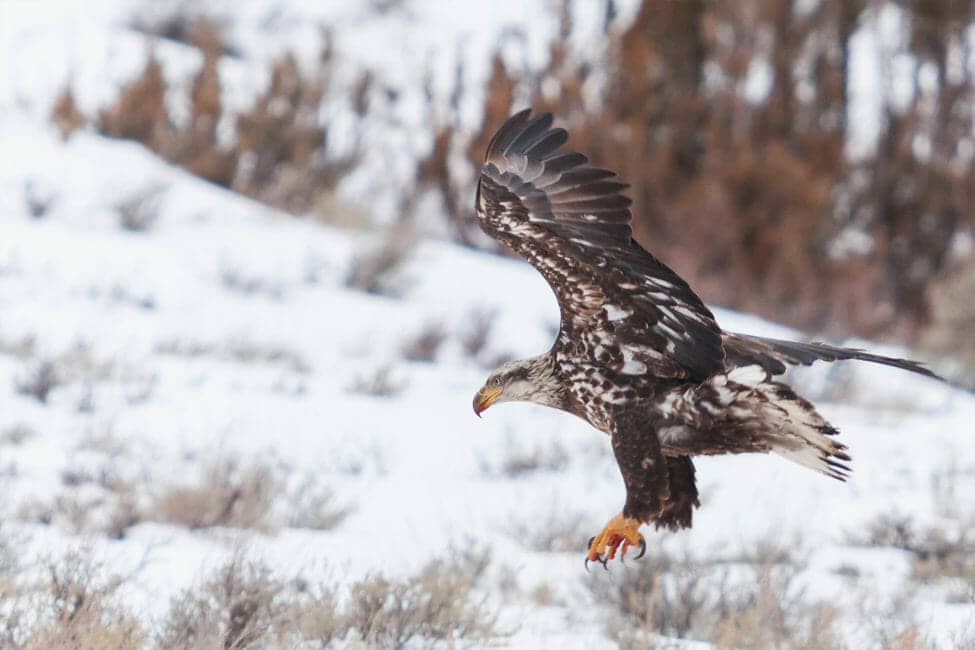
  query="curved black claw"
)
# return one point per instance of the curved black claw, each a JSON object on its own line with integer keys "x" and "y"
{"x": 643, "y": 549}
{"x": 599, "y": 558}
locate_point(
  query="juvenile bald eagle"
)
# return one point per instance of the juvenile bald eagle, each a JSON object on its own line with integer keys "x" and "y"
{"x": 638, "y": 355}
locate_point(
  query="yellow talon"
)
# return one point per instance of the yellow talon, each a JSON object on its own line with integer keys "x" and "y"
{"x": 620, "y": 533}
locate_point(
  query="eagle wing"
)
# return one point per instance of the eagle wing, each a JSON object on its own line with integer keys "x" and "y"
{"x": 620, "y": 306}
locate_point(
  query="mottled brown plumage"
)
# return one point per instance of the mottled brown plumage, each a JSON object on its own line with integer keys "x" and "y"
{"x": 638, "y": 354}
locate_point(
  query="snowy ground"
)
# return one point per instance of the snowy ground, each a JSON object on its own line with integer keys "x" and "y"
{"x": 225, "y": 331}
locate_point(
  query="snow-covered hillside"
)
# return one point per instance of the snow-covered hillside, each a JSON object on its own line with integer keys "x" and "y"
{"x": 218, "y": 339}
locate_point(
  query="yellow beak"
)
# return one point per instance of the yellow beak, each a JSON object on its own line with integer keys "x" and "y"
{"x": 485, "y": 398}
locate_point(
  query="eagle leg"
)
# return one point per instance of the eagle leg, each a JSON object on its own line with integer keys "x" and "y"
{"x": 619, "y": 535}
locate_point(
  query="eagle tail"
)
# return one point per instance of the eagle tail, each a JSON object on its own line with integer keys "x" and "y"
{"x": 803, "y": 435}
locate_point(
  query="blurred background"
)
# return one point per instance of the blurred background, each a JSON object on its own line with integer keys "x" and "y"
{"x": 810, "y": 162}
{"x": 244, "y": 304}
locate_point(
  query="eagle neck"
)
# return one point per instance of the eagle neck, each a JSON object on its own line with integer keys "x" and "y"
{"x": 549, "y": 389}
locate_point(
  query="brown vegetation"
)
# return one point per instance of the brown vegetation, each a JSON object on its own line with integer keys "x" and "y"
{"x": 235, "y": 607}
{"x": 435, "y": 604}
{"x": 685, "y": 598}
{"x": 227, "y": 494}
{"x": 754, "y": 200}
{"x": 753, "y": 197}
{"x": 952, "y": 321}
{"x": 72, "y": 603}
{"x": 139, "y": 212}
{"x": 278, "y": 153}
{"x": 936, "y": 553}
{"x": 424, "y": 346}
{"x": 244, "y": 605}
{"x": 521, "y": 462}
{"x": 40, "y": 380}
{"x": 378, "y": 382}
{"x": 238, "y": 350}
{"x": 66, "y": 115}
{"x": 375, "y": 269}
{"x": 554, "y": 532}
{"x": 475, "y": 339}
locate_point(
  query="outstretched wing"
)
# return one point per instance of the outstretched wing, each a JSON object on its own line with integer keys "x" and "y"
{"x": 620, "y": 306}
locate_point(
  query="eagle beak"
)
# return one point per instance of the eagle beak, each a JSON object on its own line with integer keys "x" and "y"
{"x": 485, "y": 398}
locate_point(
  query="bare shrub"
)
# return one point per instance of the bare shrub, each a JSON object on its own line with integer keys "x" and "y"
{"x": 124, "y": 515}
{"x": 246, "y": 351}
{"x": 80, "y": 365}
{"x": 66, "y": 115}
{"x": 374, "y": 271}
{"x": 73, "y": 606}
{"x": 424, "y": 346}
{"x": 948, "y": 334}
{"x": 891, "y": 622}
{"x": 140, "y": 114}
{"x": 554, "y": 532}
{"x": 520, "y": 462}
{"x": 84, "y": 511}
{"x": 196, "y": 147}
{"x": 227, "y": 493}
{"x": 478, "y": 332}
{"x": 244, "y": 605}
{"x": 139, "y": 212}
{"x": 378, "y": 383}
{"x": 663, "y": 595}
{"x": 140, "y": 111}
{"x": 281, "y": 143}
{"x": 936, "y": 554}
{"x": 314, "y": 505}
{"x": 40, "y": 380}
{"x": 436, "y": 604}
{"x": 16, "y": 434}
{"x": 316, "y": 615}
{"x": 543, "y": 595}
{"x": 280, "y": 152}
{"x": 237, "y": 606}
{"x": 38, "y": 199}
{"x": 241, "y": 350}
{"x": 102, "y": 440}
{"x": 235, "y": 279}
{"x": 436, "y": 173}
{"x": 23, "y": 348}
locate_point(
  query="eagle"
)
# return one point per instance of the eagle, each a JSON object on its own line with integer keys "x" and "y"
{"x": 638, "y": 355}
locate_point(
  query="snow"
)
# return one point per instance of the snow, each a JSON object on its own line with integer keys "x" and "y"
{"x": 217, "y": 270}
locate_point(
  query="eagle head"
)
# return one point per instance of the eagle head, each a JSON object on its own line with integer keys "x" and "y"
{"x": 527, "y": 380}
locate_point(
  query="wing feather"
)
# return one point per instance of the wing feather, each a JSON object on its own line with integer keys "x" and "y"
{"x": 533, "y": 132}
{"x": 774, "y": 354}
{"x": 571, "y": 221}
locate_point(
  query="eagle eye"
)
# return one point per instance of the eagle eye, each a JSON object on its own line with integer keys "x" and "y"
{"x": 497, "y": 382}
